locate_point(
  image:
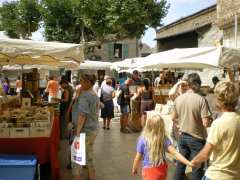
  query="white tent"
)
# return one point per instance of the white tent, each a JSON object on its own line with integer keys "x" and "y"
{"x": 95, "y": 65}
{"x": 125, "y": 64}
{"x": 190, "y": 58}
{"x": 27, "y": 52}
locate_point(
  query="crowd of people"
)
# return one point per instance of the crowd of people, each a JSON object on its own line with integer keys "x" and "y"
{"x": 80, "y": 104}
{"x": 192, "y": 115}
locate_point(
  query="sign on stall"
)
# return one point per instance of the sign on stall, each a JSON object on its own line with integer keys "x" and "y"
{"x": 78, "y": 149}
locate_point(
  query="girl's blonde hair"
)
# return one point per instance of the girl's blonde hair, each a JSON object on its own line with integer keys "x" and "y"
{"x": 154, "y": 135}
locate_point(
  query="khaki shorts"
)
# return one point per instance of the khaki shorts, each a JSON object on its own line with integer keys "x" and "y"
{"x": 89, "y": 168}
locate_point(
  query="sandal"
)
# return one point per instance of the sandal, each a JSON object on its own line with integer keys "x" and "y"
{"x": 125, "y": 131}
{"x": 104, "y": 127}
{"x": 108, "y": 128}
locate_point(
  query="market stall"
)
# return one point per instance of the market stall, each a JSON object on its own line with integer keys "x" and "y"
{"x": 188, "y": 58}
{"x": 29, "y": 129}
{"x": 28, "y": 135}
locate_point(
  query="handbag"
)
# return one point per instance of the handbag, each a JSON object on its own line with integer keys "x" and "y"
{"x": 78, "y": 150}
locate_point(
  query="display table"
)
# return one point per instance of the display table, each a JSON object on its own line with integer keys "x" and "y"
{"x": 161, "y": 94}
{"x": 45, "y": 148}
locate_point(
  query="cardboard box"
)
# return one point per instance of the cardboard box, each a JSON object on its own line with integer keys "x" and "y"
{"x": 26, "y": 102}
{"x": 4, "y": 132}
{"x": 19, "y": 132}
{"x": 40, "y": 131}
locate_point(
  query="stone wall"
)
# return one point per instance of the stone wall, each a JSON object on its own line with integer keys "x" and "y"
{"x": 229, "y": 37}
{"x": 226, "y": 10}
{"x": 204, "y": 17}
{"x": 132, "y": 46}
{"x": 209, "y": 36}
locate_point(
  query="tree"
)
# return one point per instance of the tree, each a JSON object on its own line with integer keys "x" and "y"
{"x": 62, "y": 21}
{"x": 123, "y": 18}
{"x": 20, "y": 18}
{"x": 102, "y": 20}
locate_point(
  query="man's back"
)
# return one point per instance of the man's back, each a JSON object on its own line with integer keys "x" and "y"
{"x": 191, "y": 108}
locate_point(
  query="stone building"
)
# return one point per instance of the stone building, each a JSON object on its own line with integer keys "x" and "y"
{"x": 226, "y": 11}
{"x": 196, "y": 30}
{"x": 116, "y": 51}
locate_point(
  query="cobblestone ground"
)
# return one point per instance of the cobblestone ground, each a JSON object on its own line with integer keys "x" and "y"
{"x": 114, "y": 153}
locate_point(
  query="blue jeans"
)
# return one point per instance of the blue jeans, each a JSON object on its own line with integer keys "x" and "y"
{"x": 189, "y": 147}
{"x": 205, "y": 178}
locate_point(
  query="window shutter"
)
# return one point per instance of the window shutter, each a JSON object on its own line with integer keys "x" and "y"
{"x": 125, "y": 51}
{"x": 110, "y": 51}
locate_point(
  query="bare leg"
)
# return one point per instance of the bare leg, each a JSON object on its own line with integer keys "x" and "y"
{"x": 143, "y": 120}
{"x": 104, "y": 123}
{"x": 125, "y": 121}
{"x": 108, "y": 122}
{"x": 77, "y": 177}
{"x": 121, "y": 121}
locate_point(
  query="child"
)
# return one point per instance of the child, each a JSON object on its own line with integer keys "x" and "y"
{"x": 151, "y": 148}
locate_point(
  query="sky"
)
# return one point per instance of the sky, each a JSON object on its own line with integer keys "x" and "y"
{"x": 178, "y": 9}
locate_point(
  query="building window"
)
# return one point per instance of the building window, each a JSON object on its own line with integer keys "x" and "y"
{"x": 117, "y": 50}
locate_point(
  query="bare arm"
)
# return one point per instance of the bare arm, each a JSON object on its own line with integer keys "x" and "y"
{"x": 174, "y": 116}
{"x": 46, "y": 90}
{"x": 207, "y": 121}
{"x": 203, "y": 155}
{"x": 66, "y": 95}
{"x": 136, "y": 163}
{"x": 80, "y": 123}
{"x": 113, "y": 94}
{"x": 178, "y": 156}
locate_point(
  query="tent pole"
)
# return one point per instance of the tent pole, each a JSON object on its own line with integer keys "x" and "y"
{"x": 21, "y": 72}
{"x": 236, "y": 30}
{"x": 152, "y": 78}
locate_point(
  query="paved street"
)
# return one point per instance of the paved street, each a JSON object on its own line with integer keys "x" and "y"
{"x": 114, "y": 153}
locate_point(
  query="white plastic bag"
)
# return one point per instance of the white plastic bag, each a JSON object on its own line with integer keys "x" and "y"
{"x": 78, "y": 149}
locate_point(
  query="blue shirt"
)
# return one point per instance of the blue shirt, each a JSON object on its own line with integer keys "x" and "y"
{"x": 143, "y": 149}
{"x": 87, "y": 104}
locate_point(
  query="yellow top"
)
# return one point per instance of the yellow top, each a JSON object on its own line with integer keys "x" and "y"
{"x": 225, "y": 159}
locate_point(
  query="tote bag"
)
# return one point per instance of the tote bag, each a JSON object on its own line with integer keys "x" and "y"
{"x": 78, "y": 149}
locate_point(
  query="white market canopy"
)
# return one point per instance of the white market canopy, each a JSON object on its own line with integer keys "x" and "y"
{"x": 95, "y": 65}
{"x": 125, "y": 64}
{"x": 191, "y": 58}
{"x": 27, "y": 52}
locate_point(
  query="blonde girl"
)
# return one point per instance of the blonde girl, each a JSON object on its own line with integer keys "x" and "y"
{"x": 151, "y": 148}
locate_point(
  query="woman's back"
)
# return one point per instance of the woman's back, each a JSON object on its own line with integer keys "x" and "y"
{"x": 146, "y": 94}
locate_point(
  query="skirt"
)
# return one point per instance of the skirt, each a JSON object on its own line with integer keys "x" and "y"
{"x": 108, "y": 110}
{"x": 155, "y": 173}
{"x": 146, "y": 105}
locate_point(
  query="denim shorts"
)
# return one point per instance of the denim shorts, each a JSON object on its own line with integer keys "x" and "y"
{"x": 125, "y": 109}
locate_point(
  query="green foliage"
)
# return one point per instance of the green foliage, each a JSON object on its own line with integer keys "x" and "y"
{"x": 121, "y": 19}
{"x": 102, "y": 20}
{"x": 62, "y": 20}
{"x": 20, "y": 18}
{"x": 9, "y": 19}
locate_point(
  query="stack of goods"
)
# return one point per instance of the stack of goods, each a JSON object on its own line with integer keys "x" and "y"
{"x": 30, "y": 122}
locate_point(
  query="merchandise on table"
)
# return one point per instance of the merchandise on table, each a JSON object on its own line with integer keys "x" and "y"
{"x": 26, "y": 122}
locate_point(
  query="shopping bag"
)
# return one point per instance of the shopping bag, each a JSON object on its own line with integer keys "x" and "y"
{"x": 78, "y": 149}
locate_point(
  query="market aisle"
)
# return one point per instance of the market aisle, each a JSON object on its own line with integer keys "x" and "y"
{"x": 114, "y": 153}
